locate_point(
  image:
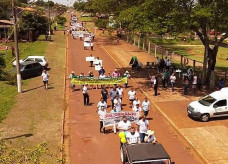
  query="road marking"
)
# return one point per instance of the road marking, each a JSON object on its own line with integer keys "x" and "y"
{"x": 162, "y": 113}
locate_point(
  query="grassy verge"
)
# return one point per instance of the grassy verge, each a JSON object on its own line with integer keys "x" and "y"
{"x": 9, "y": 92}
{"x": 26, "y": 49}
{"x": 86, "y": 19}
{"x": 33, "y": 128}
{"x": 193, "y": 50}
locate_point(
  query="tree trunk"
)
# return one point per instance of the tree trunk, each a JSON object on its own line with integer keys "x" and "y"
{"x": 211, "y": 67}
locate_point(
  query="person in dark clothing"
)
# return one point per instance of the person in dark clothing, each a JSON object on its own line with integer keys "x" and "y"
{"x": 104, "y": 94}
{"x": 155, "y": 84}
{"x": 85, "y": 95}
{"x": 101, "y": 71}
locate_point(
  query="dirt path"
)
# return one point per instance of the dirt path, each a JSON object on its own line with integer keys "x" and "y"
{"x": 87, "y": 144}
{"x": 37, "y": 115}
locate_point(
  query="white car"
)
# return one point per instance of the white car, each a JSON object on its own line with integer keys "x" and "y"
{"x": 212, "y": 105}
{"x": 41, "y": 59}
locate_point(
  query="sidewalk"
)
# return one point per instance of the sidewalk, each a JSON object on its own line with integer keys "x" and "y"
{"x": 208, "y": 139}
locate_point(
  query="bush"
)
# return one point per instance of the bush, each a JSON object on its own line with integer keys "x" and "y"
{"x": 61, "y": 20}
{"x": 10, "y": 77}
{"x": 101, "y": 23}
{"x": 2, "y": 65}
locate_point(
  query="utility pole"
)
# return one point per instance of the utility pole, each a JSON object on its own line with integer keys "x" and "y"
{"x": 19, "y": 88}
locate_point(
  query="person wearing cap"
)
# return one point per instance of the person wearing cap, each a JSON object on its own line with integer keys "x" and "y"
{"x": 143, "y": 126}
{"x": 102, "y": 112}
{"x": 101, "y": 103}
{"x": 71, "y": 76}
{"x": 146, "y": 106}
{"x": 133, "y": 136}
{"x": 128, "y": 76}
{"x": 150, "y": 137}
{"x": 85, "y": 95}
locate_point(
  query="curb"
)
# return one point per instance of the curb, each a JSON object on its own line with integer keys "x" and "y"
{"x": 64, "y": 126}
{"x": 162, "y": 113}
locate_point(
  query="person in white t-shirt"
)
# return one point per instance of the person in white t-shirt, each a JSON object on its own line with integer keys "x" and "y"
{"x": 124, "y": 125}
{"x": 194, "y": 83}
{"x": 45, "y": 77}
{"x": 136, "y": 101}
{"x": 120, "y": 91}
{"x": 133, "y": 136}
{"x": 137, "y": 108}
{"x": 131, "y": 95}
{"x": 146, "y": 106}
{"x": 102, "y": 112}
{"x": 150, "y": 137}
{"x": 143, "y": 126}
{"x": 101, "y": 103}
{"x": 117, "y": 103}
{"x": 172, "y": 80}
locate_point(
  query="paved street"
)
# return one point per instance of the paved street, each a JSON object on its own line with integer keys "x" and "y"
{"x": 87, "y": 144}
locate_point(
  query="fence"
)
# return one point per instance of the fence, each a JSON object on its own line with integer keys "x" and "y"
{"x": 159, "y": 51}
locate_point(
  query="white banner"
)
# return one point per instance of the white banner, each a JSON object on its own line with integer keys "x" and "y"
{"x": 90, "y": 58}
{"x": 114, "y": 118}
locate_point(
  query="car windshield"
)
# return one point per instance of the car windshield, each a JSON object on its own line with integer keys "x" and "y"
{"x": 207, "y": 101}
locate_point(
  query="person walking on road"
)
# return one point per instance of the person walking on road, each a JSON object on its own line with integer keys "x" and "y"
{"x": 146, "y": 107}
{"x": 85, "y": 95}
{"x": 143, "y": 126}
{"x": 136, "y": 101}
{"x": 124, "y": 125}
{"x": 172, "y": 81}
{"x": 194, "y": 83}
{"x": 120, "y": 91}
{"x": 118, "y": 104}
{"x": 113, "y": 94}
{"x": 155, "y": 85}
{"x": 100, "y": 104}
{"x": 102, "y": 112}
{"x": 104, "y": 94}
{"x": 45, "y": 77}
{"x": 133, "y": 137}
{"x": 150, "y": 137}
{"x": 71, "y": 76}
{"x": 91, "y": 45}
{"x": 128, "y": 76}
{"x": 131, "y": 95}
{"x": 186, "y": 85}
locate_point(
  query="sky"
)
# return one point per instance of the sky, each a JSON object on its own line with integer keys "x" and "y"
{"x": 64, "y": 2}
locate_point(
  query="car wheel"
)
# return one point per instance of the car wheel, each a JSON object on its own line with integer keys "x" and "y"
{"x": 205, "y": 117}
{"x": 123, "y": 156}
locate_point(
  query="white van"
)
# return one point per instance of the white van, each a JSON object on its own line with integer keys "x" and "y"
{"x": 212, "y": 105}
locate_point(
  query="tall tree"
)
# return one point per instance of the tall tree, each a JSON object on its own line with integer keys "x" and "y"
{"x": 177, "y": 16}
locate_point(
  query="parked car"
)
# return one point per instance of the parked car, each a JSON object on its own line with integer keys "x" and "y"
{"x": 212, "y": 105}
{"x": 29, "y": 69}
{"x": 41, "y": 59}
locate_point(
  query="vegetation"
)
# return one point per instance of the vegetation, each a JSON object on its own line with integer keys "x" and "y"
{"x": 61, "y": 20}
{"x": 35, "y": 155}
{"x": 101, "y": 23}
{"x": 175, "y": 17}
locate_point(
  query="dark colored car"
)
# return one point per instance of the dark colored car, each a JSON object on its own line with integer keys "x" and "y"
{"x": 147, "y": 153}
{"x": 30, "y": 69}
